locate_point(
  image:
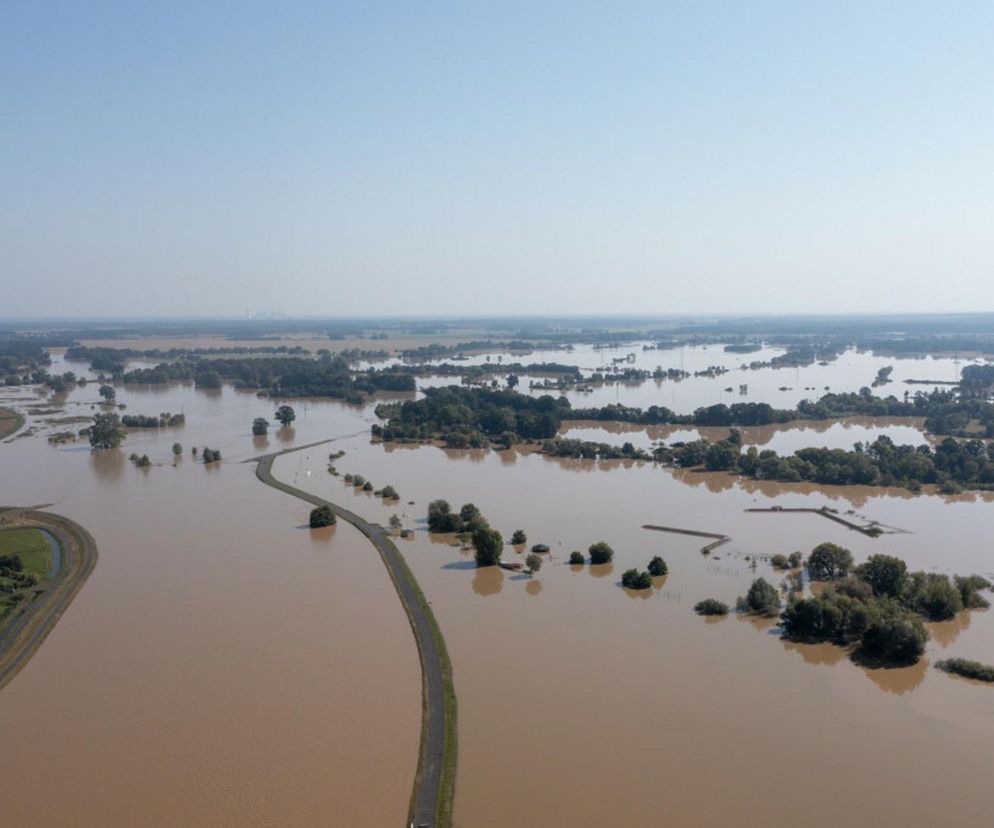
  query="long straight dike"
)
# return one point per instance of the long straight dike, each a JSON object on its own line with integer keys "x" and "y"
{"x": 434, "y": 782}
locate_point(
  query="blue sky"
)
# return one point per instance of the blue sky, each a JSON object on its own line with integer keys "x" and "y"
{"x": 323, "y": 158}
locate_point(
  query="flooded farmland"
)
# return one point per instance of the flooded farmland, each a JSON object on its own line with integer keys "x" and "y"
{"x": 225, "y": 666}
{"x": 222, "y": 665}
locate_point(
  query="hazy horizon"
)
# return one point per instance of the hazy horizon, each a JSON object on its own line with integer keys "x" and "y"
{"x": 569, "y": 160}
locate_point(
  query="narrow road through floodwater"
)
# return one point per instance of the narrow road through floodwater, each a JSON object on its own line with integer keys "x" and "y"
{"x": 434, "y": 782}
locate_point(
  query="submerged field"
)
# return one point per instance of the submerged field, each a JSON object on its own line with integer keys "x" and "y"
{"x": 580, "y": 702}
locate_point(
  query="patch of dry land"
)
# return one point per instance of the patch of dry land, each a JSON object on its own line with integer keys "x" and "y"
{"x": 10, "y": 421}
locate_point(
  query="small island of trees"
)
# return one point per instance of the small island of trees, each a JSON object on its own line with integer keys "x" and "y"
{"x": 633, "y": 579}
{"x": 106, "y": 432}
{"x": 322, "y": 516}
{"x": 600, "y": 553}
{"x": 975, "y": 670}
{"x": 711, "y": 606}
{"x": 285, "y": 415}
{"x": 442, "y": 519}
{"x": 164, "y": 420}
{"x": 657, "y": 567}
{"x": 878, "y": 607}
{"x": 487, "y": 544}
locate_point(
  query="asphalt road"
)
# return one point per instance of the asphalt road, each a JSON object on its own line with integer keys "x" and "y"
{"x": 428, "y": 781}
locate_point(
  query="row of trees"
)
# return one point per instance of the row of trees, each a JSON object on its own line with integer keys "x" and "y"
{"x": 946, "y": 411}
{"x": 951, "y": 464}
{"x": 488, "y": 543}
{"x": 636, "y": 579}
{"x": 282, "y": 376}
{"x": 284, "y": 416}
{"x": 441, "y": 518}
{"x": 164, "y": 420}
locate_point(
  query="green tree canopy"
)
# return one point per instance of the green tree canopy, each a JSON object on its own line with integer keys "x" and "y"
{"x": 487, "y": 543}
{"x": 600, "y": 553}
{"x": 285, "y": 415}
{"x": 829, "y": 562}
{"x": 322, "y": 516}
{"x": 657, "y": 567}
{"x": 886, "y": 574}
{"x": 106, "y": 431}
{"x": 762, "y": 599}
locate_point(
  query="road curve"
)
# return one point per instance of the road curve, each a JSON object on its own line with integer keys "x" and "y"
{"x": 21, "y": 639}
{"x": 434, "y": 782}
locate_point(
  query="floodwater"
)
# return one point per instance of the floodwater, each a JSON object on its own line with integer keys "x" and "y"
{"x": 223, "y": 666}
{"x": 783, "y": 439}
{"x": 582, "y": 703}
{"x": 780, "y": 387}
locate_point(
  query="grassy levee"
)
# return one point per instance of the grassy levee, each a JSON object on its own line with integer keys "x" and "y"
{"x": 10, "y": 422}
{"x": 24, "y": 633}
{"x": 434, "y": 782}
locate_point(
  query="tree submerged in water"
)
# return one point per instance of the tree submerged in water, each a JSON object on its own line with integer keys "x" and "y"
{"x": 487, "y": 543}
{"x": 322, "y": 516}
{"x": 711, "y": 606}
{"x": 106, "y": 431}
{"x": 657, "y": 567}
{"x": 881, "y": 608}
{"x": 600, "y": 553}
{"x": 633, "y": 579}
{"x": 762, "y": 599}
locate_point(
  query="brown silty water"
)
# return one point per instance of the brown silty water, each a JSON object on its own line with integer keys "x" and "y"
{"x": 223, "y": 665}
{"x": 580, "y": 703}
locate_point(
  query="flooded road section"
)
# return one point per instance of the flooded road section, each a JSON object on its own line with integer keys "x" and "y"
{"x": 223, "y": 665}
{"x": 582, "y": 703}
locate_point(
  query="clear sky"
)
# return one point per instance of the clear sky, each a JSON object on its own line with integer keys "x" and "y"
{"x": 535, "y": 157}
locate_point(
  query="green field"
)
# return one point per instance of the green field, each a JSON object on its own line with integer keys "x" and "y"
{"x": 10, "y": 421}
{"x": 31, "y": 546}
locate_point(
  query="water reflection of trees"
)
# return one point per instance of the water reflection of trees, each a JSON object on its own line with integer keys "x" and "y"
{"x": 820, "y": 654}
{"x": 945, "y": 633}
{"x": 533, "y": 587}
{"x": 889, "y": 678}
{"x": 601, "y": 570}
{"x": 321, "y": 536}
{"x": 488, "y": 580}
{"x": 108, "y": 464}
{"x": 638, "y": 594}
{"x": 896, "y": 680}
{"x": 473, "y": 455}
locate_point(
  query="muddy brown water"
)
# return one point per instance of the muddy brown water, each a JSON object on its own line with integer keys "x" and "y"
{"x": 784, "y": 439}
{"x": 582, "y": 703}
{"x": 224, "y": 667}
